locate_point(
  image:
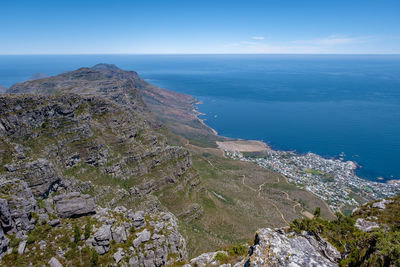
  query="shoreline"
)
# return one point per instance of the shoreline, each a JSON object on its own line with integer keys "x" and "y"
{"x": 379, "y": 179}
{"x": 334, "y": 180}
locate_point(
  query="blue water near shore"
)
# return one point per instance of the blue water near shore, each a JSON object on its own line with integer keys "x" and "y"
{"x": 326, "y": 104}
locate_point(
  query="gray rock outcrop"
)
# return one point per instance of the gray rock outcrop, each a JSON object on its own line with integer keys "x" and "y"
{"x": 381, "y": 204}
{"x": 16, "y": 210}
{"x": 206, "y": 259}
{"x": 366, "y": 226}
{"x": 119, "y": 255}
{"x": 5, "y": 215}
{"x": 161, "y": 245}
{"x": 74, "y": 204}
{"x": 4, "y": 241}
{"x": 102, "y": 239}
{"x": 274, "y": 247}
{"x": 119, "y": 234}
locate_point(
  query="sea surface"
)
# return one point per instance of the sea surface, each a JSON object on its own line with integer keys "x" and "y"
{"x": 331, "y": 105}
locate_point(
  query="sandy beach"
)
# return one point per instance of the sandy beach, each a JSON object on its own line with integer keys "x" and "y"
{"x": 243, "y": 146}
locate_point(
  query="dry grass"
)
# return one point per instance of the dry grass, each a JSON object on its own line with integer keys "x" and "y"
{"x": 236, "y": 199}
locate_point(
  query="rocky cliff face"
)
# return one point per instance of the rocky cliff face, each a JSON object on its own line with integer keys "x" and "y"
{"x": 78, "y": 141}
{"x": 92, "y": 139}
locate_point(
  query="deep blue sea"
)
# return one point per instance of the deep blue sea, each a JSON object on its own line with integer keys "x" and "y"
{"x": 326, "y": 104}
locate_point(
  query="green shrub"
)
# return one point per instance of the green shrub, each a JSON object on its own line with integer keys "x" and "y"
{"x": 238, "y": 250}
{"x": 94, "y": 261}
{"x": 31, "y": 239}
{"x": 376, "y": 248}
{"x": 41, "y": 203}
{"x": 35, "y": 216}
{"x": 88, "y": 227}
{"x": 14, "y": 241}
{"x": 77, "y": 233}
{"x": 71, "y": 254}
{"x": 221, "y": 257}
{"x": 317, "y": 212}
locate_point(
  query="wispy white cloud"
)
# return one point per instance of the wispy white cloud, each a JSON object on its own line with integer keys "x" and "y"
{"x": 330, "y": 44}
{"x": 258, "y": 38}
{"x": 331, "y": 40}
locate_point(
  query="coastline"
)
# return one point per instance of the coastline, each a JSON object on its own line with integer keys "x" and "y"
{"x": 333, "y": 180}
{"x": 239, "y": 147}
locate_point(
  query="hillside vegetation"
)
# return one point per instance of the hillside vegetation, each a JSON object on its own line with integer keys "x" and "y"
{"x": 368, "y": 237}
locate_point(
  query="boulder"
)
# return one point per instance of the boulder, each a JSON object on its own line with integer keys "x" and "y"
{"x": 40, "y": 176}
{"x": 134, "y": 261}
{"x": 102, "y": 238}
{"x": 119, "y": 255}
{"x": 55, "y": 222}
{"x": 143, "y": 236}
{"x": 53, "y": 262}
{"x": 42, "y": 244}
{"x": 138, "y": 219}
{"x": 149, "y": 259}
{"x": 74, "y": 204}
{"x": 119, "y": 234}
{"x": 21, "y": 247}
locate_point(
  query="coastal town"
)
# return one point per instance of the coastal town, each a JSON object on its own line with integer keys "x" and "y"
{"x": 333, "y": 180}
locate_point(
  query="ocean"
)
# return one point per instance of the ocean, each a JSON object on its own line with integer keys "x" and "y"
{"x": 332, "y": 105}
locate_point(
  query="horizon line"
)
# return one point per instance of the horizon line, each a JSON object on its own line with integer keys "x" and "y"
{"x": 149, "y": 54}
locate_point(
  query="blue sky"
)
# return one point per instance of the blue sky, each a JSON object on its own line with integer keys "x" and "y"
{"x": 191, "y": 26}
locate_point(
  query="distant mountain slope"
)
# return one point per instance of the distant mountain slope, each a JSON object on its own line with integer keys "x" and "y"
{"x": 126, "y": 87}
{"x": 101, "y": 80}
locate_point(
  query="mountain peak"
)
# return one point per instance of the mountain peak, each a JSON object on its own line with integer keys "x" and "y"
{"x": 103, "y": 66}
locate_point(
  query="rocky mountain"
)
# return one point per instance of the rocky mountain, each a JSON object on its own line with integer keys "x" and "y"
{"x": 125, "y": 87}
{"x": 102, "y": 80}
{"x": 2, "y": 89}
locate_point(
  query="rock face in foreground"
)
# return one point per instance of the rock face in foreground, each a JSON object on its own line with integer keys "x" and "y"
{"x": 274, "y": 247}
{"x": 74, "y": 204}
